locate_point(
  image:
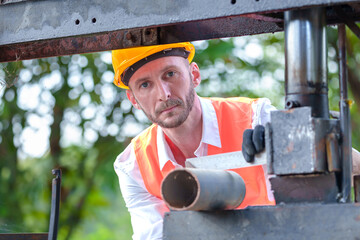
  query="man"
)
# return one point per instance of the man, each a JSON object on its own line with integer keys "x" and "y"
{"x": 161, "y": 80}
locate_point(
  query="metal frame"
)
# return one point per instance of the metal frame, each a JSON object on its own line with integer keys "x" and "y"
{"x": 36, "y": 29}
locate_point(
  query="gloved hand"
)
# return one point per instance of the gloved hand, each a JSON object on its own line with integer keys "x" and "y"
{"x": 253, "y": 142}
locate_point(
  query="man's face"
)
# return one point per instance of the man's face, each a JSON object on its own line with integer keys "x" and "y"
{"x": 164, "y": 90}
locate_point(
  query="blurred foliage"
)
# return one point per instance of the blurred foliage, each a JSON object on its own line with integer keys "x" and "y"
{"x": 65, "y": 112}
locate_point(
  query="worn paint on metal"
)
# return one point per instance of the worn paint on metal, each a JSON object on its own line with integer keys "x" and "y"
{"x": 305, "y": 188}
{"x": 297, "y": 144}
{"x": 296, "y": 221}
{"x": 81, "y": 21}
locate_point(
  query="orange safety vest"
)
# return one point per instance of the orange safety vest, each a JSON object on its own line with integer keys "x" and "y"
{"x": 234, "y": 115}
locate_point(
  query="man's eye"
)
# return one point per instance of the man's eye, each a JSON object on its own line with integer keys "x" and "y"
{"x": 170, "y": 74}
{"x": 144, "y": 85}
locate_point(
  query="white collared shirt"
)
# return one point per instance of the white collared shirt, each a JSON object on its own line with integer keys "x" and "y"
{"x": 146, "y": 210}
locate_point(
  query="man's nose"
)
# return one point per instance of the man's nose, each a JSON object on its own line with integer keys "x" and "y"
{"x": 163, "y": 90}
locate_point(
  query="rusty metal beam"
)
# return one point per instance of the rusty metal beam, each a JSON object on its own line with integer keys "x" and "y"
{"x": 71, "y": 45}
{"x": 190, "y": 31}
{"x": 21, "y": 21}
{"x": 69, "y": 27}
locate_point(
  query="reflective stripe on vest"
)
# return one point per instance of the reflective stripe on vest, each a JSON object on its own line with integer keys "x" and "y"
{"x": 234, "y": 115}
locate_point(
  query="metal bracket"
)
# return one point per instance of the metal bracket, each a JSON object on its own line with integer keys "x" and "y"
{"x": 140, "y": 37}
{"x": 132, "y": 38}
{"x": 351, "y": 24}
{"x": 149, "y": 36}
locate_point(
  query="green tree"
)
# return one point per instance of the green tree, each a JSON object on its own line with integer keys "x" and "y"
{"x": 77, "y": 110}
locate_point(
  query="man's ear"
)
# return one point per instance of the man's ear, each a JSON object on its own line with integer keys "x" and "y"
{"x": 195, "y": 72}
{"x": 132, "y": 99}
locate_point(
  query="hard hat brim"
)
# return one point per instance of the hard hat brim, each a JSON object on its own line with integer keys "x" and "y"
{"x": 136, "y": 54}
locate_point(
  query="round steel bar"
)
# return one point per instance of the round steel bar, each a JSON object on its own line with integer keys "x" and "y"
{"x": 345, "y": 125}
{"x": 306, "y": 61}
{"x": 55, "y": 205}
{"x": 200, "y": 189}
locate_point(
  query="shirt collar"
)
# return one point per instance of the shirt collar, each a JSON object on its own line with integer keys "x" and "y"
{"x": 210, "y": 134}
{"x": 164, "y": 151}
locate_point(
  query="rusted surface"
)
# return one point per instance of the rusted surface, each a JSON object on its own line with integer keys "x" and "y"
{"x": 77, "y": 45}
{"x": 189, "y": 31}
{"x": 305, "y": 188}
{"x": 150, "y": 36}
{"x": 59, "y": 47}
{"x": 132, "y": 38}
{"x": 88, "y": 33}
{"x": 217, "y": 28}
{"x": 297, "y": 144}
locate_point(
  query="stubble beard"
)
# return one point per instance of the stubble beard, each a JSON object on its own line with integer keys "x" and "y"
{"x": 187, "y": 107}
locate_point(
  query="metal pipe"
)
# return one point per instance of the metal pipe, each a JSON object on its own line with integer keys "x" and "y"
{"x": 55, "y": 205}
{"x": 200, "y": 189}
{"x": 306, "y": 60}
{"x": 344, "y": 119}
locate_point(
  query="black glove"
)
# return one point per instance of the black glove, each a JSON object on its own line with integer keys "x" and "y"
{"x": 253, "y": 142}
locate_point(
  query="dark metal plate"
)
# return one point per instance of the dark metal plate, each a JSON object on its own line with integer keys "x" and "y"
{"x": 302, "y": 221}
{"x": 305, "y": 188}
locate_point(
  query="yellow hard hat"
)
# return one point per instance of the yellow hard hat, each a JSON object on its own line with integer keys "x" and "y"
{"x": 134, "y": 58}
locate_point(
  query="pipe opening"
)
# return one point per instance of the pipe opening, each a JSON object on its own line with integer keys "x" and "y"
{"x": 180, "y": 189}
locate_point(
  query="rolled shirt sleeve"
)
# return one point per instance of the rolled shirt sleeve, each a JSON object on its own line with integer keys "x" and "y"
{"x": 261, "y": 111}
{"x": 146, "y": 210}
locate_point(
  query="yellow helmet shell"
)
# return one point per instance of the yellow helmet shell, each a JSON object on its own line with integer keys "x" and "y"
{"x": 124, "y": 58}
